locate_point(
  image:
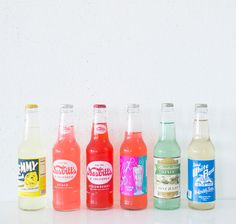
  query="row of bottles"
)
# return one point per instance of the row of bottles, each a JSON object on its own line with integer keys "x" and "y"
{"x": 99, "y": 164}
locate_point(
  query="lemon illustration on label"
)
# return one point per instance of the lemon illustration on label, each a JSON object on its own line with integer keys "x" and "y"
{"x": 31, "y": 179}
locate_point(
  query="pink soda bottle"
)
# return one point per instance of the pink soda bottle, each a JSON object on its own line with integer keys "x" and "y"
{"x": 66, "y": 164}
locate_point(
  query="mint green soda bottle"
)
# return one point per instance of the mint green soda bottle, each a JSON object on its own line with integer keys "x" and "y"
{"x": 167, "y": 163}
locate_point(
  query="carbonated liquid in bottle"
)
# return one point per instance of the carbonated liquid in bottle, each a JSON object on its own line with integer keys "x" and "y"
{"x": 201, "y": 163}
{"x": 31, "y": 164}
{"x": 99, "y": 160}
{"x": 167, "y": 163}
{"x": 133, "y": 157}
{"x": 66, "y": 164}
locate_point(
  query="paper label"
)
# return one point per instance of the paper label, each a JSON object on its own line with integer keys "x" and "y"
{"x": 201, "y": 180}
{"x": 99, "y": 176}
{"x": 31, "y": 177}
{"x": 166, "y": 178}
{"x": 133, "y": 178}
{"x": 64, "y": 170}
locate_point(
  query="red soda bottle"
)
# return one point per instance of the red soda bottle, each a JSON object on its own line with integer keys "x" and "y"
{"x": 66, "y": 164}
{"x": 99, "y": 160}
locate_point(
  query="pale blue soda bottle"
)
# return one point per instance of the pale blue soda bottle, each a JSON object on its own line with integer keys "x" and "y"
{"x": 167, "y": 163}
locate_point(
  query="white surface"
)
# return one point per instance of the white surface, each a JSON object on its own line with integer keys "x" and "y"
{"x": 223, "y": 213}
{"x": 117, "y": 52}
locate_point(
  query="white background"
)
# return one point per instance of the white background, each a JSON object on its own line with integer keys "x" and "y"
{"x": 118, "y": 52}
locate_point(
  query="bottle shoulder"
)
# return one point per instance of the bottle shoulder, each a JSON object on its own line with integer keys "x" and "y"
{"x": 201, "y": 149}
{"x": 65, "y": 146}
{"x": 31, "y": 149}
{"x": 67, "y": 141}
{"x": 98, "y": 145}
{"x": 131, "y": 147}
{"x": 167, "y": 149}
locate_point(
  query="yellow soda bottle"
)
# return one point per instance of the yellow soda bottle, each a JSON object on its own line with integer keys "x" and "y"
{"x": 31, "y": 164}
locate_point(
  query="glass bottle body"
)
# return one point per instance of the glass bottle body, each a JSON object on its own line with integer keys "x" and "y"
{"x": 66, "y": 164}
{"x": 99, "y": 160}
{"x": 32, "y": 164}
{"x": 167, "y": 163}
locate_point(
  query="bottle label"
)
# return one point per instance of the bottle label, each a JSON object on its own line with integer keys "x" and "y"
{"x": 64, "y": 170}
{"x": 133, "y": 178}
{"x": 100, "y": 128}
{"x": 166, "y": 178}
{"x": 201, "y": 180}
{"x": 31, "y": 177}
{"x": 99, "y": 175}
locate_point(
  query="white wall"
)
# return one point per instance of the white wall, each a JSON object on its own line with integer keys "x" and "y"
{"x": 117, "y": 52}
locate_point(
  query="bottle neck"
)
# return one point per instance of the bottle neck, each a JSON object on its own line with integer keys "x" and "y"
{"x": 99, "y": 128}
{"x": 32, "y": 129}
{"x": 167, "y": 131}
{"x": 201, "y": 129}
{"x": 66, "y": 126}
{"x": 134, "y": 123}
{"x": 167, "y": 124}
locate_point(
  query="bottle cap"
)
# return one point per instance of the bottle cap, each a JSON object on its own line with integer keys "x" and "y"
{"x": 99, "y": 106}
{"x": 200, "y": 105}
{"x": 66, "y": 106}
{"x": 167, "y": 105}
{"x": 31, "y": 106}
{"x": 133, "y": 107}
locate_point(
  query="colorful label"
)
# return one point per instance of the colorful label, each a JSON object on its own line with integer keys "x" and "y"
{"x": 64, "y": 170}
{"x": 201, "y": 180}
{"x": 166, "y": 177}
{"x": 31, "y": 177}
{"x": 99, "y": 175}
{"x": 133, "y": 178}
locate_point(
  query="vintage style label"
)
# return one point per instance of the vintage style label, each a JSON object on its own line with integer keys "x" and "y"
{"x": 64, "y": 170}
{"x": 201, "y": 180}
{"x": 166, "y": 177}
{"x": 99, "y": 175}
{"x": 133, "y": 178}
{"x": 31, "y": 177}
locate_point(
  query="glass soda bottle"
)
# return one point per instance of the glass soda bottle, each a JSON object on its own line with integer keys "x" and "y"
{"x": 201, "y": 163}
{"x": 99, "y": 161}
{"x": 66, "y": 164}
{"x": 133, "y": 157}
{"x": 31, "y": 164}
{"x": 167, "y": 163}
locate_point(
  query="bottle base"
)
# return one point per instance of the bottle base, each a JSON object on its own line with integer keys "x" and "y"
{"x": 161, "y": 208}
{"x": 133, "y": 202}
{"x": 99, "y": 209}
{"x": 166, "y": 204}
{"x": 31, "y": 209}
{"x": 201, "y": 206}
{"x": 132, "y": 208}
{"x": 31, "y": 204}
{"x": 66, "y": 208}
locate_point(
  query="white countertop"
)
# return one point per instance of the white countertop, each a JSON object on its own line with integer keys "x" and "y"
{"x": 224, "y": 213}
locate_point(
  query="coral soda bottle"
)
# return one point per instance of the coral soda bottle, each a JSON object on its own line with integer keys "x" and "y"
{"x": 133, "y": 156}
{"x": 99, "y": 160}
{"x": 66, "y": 164}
